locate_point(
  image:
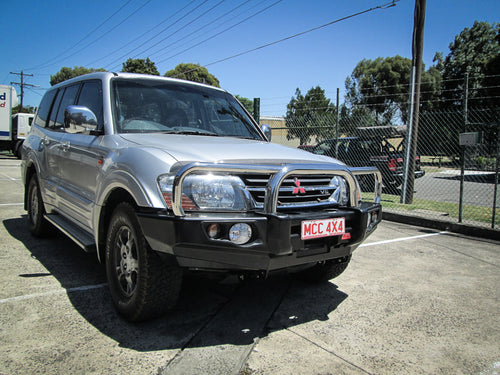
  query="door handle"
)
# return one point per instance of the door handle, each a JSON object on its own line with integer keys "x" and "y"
{"x": 65, "y": 146}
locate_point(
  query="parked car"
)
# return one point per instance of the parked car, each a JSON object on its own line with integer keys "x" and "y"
{"x": 161, "y": 176}
{"x": 309, "y": 148}
{"x": 378, "y": 146}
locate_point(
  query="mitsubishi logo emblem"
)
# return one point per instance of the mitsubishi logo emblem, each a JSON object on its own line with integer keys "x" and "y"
{"x": 298, "y": 189}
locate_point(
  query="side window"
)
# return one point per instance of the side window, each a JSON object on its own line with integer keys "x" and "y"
{"x": 68, "y": 98}
{"x": 91, "y": 97}
{"x": 57, "y": 102}
{"x": 65, "y": 96}
{"x": 44, "y": 109}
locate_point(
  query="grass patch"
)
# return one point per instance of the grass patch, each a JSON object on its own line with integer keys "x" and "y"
{"x": 474, "y": 213}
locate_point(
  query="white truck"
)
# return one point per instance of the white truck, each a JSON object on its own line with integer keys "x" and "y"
{"x": 13, "y": 128}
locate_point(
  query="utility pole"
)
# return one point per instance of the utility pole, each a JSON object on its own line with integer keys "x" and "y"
{"x": 416, "y": 73}
{"x": 256, "y": 110}
{"x": 463, "y": 149}
{"x": 22, "y": 85}
{"x": 337, "y": 121}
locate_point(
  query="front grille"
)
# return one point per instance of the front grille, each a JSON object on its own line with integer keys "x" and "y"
{"x": 295, "y": 191}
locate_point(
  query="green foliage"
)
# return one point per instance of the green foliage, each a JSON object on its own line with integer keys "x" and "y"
{"x": 381, "y": 86}
{"x": 492, "y": 70}
{"x": 473, "y": 51}
{"x": 66, "y": 73}
{"x": 143, "y": 66}
{"x": 26, "y": 109}
{"x": 193, "y": 72}
{"x": 351, "y": 118}
{"x": 247, "y": 103}
{"x": 310, "y": 115}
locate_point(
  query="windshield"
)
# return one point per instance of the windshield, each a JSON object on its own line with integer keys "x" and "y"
{"x": 154, "y": 106}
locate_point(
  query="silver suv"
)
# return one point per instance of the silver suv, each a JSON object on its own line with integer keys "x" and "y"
{"x": 159, "y": 176}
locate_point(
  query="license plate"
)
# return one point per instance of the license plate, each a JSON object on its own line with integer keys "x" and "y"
{"x": 322, "y": 228}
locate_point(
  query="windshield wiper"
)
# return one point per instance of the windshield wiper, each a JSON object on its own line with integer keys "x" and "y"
{"x": 190, "y": 132}
{"x": 246, "y": 137}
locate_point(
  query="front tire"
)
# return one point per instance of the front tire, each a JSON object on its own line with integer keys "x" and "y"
{"x": 141, "y": 285}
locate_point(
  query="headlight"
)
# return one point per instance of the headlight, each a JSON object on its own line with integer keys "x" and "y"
{"x": 339, "y": 194}
{"x": 207, "y": 192}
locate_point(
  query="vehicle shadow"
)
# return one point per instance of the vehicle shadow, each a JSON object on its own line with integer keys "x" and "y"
{"x": 210, "y": 312}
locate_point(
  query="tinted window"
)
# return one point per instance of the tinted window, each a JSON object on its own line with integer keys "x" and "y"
{"x": 91, "y": 97}
{"x": 44, "y": 109}
{"x": 148, "y": 106}
{"x": 55, "y": 107}
{"x": 68, "y": 98}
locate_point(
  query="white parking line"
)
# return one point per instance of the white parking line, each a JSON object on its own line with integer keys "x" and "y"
{"x": 11, "y": 204}
{"x": 403, "y": 239}
{"x": 6, "y": 177}
{"x": 53, "y": 292}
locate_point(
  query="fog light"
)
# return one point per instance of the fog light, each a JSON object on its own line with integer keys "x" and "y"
{"x": 240, "y": 233}
{"x": 213, "y": 231}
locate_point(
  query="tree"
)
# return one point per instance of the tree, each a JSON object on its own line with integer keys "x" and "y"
{"x": 381, "y": 87}
{"x": 470, "y": 52}
{"x": 247, "y": 103}
{"x": 310, "y": 115}
{"x": 26, "y": 109}
{"x": 193, "y": 72}
{"x": 352, "y": 118}
{"x": 492, "y": 71}
{"x": 143, "y": 66}
{"x": 66, "y": 73}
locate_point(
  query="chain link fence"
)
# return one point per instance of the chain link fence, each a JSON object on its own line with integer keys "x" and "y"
{"x": 453, "y": 182}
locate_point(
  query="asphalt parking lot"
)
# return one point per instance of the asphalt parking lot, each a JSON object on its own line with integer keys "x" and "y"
{"x": 412, "y": 301}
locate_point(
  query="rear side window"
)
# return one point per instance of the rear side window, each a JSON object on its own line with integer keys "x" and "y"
{"x": 44, "y": 109}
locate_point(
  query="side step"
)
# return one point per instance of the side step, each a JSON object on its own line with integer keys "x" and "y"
{"x": 81, "y": 237}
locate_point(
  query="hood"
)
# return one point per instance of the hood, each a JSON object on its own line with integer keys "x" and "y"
{"x": 225, "y": 149}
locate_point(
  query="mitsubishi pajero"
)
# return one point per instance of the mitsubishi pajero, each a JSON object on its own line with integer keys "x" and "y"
{"x": 161, "y": 176}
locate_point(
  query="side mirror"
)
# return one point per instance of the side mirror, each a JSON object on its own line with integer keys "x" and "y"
{"x": 79, "y": 120}
{"x": 266, "y": 129}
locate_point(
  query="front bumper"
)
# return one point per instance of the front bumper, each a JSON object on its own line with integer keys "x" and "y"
{"x": 275, "y": 242}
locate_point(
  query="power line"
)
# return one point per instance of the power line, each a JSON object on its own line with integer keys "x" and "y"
{"x": 140, "y": 36}
{"x": 114, "y": 27}
{"x": 42, "y": 65}
{"x": 22, "y": 85}
{"x": 221, "y": 32}
{"x": 183, "y": 27}
{"x": 157, "y": 34}
{"x": 201, "y": 28}
{"x": 383, "y": 6}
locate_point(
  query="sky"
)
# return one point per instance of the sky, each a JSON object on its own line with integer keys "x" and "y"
{"x": 41, "y": 37}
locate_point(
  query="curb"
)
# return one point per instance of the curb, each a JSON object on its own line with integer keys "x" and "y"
{"x": 466, "y": 229}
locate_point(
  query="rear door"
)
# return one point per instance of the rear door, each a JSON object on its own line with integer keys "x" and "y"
{"x": 81, "y": 160}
